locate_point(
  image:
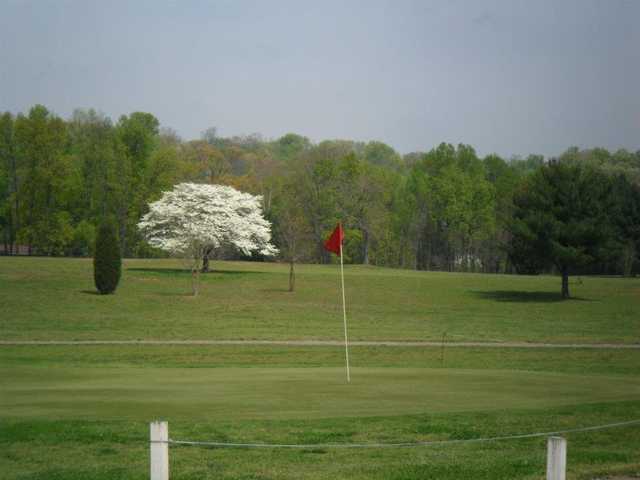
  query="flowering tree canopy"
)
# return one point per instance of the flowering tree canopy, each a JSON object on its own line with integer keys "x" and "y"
{"x": 193, "y": 220}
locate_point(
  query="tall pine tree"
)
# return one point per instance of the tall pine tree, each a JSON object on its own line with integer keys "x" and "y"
{"x": 561, "y": 218}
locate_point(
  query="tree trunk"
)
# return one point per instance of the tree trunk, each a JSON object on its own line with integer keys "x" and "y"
{"x": 16, "y": 206}
{"x": 323, "y": 255}
{"x": 292, "y": 276}
{"x": 365, "y": 249}
{"x": 565, "y": 282}
{"x": 205, "y": 261}
{"x": 195, "y": 280}
{"x": 423, "y": 250}
{"x": 468, "y": 261}
{"x": 628, "y": 259}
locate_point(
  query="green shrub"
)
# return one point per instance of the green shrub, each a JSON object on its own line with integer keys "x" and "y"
{"x": 106, "y": 261}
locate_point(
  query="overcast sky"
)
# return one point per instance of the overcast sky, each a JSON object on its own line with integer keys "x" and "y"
{"x": 511, "y": 77}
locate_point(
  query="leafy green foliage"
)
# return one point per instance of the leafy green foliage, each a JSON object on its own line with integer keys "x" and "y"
{"x": 445, "y": 209}
{"x": 107, "y": 263}
{"x": 84, "y": 239}
{"x": 42, "y": 163}
{"x": 450, "y": 209}
{"x": 626, "y": 220}
{"x": 561, "y": 218}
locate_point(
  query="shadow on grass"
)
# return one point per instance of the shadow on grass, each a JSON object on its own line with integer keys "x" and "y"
{"x": 90, "y": 292}
{"x": 276, "y": 290}
{"x": 516, "y": 296}
{"x": 184, "y": 271}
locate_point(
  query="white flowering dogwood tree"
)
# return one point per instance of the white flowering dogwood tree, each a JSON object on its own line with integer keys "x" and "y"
{"x": 196, "y": 221}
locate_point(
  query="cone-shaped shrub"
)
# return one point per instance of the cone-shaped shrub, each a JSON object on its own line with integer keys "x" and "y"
{"x": 107, "y": 262}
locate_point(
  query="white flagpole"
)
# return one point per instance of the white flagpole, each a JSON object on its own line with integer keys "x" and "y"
{"x": 344, "y": 314}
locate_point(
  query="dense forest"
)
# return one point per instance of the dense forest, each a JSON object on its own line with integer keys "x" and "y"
{"x": 445, "y": 209}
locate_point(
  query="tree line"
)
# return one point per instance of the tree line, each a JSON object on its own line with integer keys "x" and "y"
{"x": 445, "y": 209}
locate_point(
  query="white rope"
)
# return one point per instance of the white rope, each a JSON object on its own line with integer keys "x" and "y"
{"x": 406, "y": 444}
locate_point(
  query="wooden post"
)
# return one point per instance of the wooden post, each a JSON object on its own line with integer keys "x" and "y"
{"x": 159, "y": 436}
{"x": 556, "y": 458}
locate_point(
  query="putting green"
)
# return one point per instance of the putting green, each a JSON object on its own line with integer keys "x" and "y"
{"x": 260, "y": 393}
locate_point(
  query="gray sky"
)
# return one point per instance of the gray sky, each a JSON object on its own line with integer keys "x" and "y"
{"x": 512, "y": 77}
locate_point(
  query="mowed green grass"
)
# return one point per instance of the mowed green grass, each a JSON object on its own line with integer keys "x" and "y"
{"x": 53, "y": 299}
{"x": 292, "y": 393}
{"x": 83, "y": 412}
{"x": 78, "y": 412}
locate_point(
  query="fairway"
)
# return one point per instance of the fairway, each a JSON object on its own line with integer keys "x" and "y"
{"x": 291, "y": 393}
{"x": 54, "y": 299}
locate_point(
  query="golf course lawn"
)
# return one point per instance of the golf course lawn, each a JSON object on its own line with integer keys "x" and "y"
{"x": 83, "y": 411}
{"x": 54, "y": 299}
{"x": 295, "y": 393}
{"x": 64, "y": 418}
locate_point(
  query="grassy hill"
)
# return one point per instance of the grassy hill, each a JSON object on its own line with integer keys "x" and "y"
{"x": 53, "y": 299}
{"x": 77, "y": 412}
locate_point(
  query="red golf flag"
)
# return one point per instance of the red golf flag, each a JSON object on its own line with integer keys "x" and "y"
{"x": 334, "y": 242}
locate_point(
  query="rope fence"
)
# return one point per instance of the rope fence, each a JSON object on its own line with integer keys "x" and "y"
{"x": 401, "y": 444}
{"x": 556, "y": 446}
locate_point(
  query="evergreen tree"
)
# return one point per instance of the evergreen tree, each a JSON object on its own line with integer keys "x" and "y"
{"x": 107, "y": 263}
{"x": 561, "y": 218}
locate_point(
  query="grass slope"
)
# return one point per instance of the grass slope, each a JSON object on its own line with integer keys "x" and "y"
{"x": 69, "y": 412}
{"x": 46, "y": 299}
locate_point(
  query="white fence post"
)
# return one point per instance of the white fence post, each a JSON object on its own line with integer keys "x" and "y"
{"x": 556, "y": 458}
{"x": 159, "y": 436}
